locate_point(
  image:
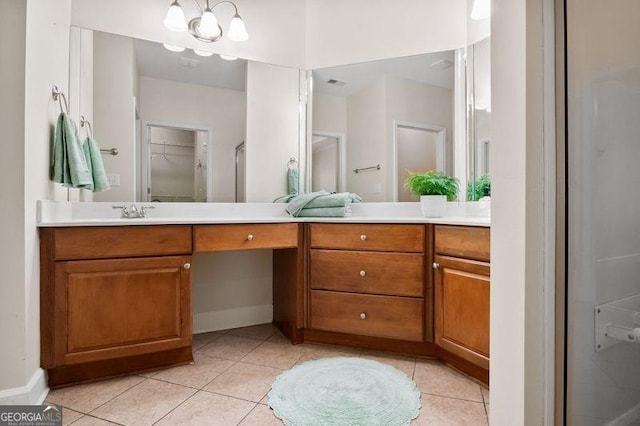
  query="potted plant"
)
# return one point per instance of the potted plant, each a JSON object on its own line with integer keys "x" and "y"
{"x": 479, "y": 188}
{"x": 434, "y": 189}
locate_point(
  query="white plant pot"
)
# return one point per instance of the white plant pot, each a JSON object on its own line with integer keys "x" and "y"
{"x": 433, "y": 205}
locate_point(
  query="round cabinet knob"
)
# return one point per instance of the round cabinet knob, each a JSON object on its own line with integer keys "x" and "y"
{"x": 249, "y": 237}
{"x": 363, "y": 237}
{"x": 363, "y": 316}
{"x": 187, "y": 265}
{"x": 436, "y": 265}
{"x": 363, "y": 273}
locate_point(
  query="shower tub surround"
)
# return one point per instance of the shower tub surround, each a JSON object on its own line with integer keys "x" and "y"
{"x": 116, "y": 292}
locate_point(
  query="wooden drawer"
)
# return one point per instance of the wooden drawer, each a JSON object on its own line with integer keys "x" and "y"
{"x": 115, "y": 241}
{"x": 463, "y": 241}
{"x": 384, "y": 316}
{"x": 399, "y": 274}
{"x": 245, "y": 236}
{"x": 403, "y": 238}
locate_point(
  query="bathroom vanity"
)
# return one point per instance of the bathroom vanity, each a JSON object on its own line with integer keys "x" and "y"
{"x": 116, "y": 294}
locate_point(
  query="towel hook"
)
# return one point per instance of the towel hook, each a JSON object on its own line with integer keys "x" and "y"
{"x": 83, "y": 122}
{"x": 59, "y": 96}
{"x": 292, "y": 162}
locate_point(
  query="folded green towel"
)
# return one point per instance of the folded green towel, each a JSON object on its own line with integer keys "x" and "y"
{"x": 96, "y": 166}
{"x": 339, "y": 199}
{"x": 68, "y": 163}
{"x": 299, "y": 202}
{"x": 326, "y": 212}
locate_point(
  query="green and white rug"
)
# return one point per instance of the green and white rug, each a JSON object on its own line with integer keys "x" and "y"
{"x": 344, "y": 391}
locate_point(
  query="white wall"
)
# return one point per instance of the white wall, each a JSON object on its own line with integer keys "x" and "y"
{"x": 36, "y": 61}
{"x": 276, "y": 27}
{"x": 272, "y": 129}
{"x": 222, "y": 110}
{"x": 340, "y": 32}
{"x": 329, "y": 113}
{"x": 114, "y": 88}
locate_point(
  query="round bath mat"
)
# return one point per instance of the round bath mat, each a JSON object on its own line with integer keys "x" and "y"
{"x": 344, "y": 391}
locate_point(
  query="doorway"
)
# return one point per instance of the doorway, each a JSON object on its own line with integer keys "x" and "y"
{"x": 417, "y": 148}
{"x": 328, "y": 161}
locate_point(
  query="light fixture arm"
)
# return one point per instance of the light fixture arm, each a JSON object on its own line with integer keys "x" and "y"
{"x": 198, "y": 5}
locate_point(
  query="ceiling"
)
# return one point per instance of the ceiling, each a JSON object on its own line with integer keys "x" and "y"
{"x": 187, "y": 67}
{"x": 359, "y": 76}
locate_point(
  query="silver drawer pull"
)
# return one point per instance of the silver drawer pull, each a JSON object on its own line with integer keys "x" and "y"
{"x": 250, "y": 237}
{"x": 363, "y": 273}
{"x": 187, "y": 265}
{"x": 436, "y": 265}
{"x": 363, "y": 316}
{"x": 363, "y": 237}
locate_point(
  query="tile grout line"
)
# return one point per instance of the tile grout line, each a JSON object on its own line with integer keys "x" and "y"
{"x": 247, "y": 415}
{"x": 452, "y": 397}
{"x": 176, "y": 407}
{"x": 139, "y": 383}
{"x": 235, "y": 397}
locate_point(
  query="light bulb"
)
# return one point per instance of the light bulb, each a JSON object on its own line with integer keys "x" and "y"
{"x": 228, "y": 58}
{"x": 208, "y": 26}
{"x": 175, "y": 20}
{"x": 481, "y": 10}
{"x": 202, "y": 52}
{"x": 173, "y": 47}
{"x": 237, "y": 30}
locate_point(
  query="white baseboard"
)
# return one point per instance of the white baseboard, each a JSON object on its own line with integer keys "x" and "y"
{"x": 33, "y": 393}
{"x": 627, "y": 418}
{"x": 232, "y": 318}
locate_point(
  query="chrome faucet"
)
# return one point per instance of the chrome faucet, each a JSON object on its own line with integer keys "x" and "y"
{"x": 133, "y": 212}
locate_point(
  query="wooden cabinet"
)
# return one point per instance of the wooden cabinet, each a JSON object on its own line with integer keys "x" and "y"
{"x": 106, "y": 316}
{"x": 368, "y": 280}
{"x": 208, "y": 238}
{"x": 462, "y": 286}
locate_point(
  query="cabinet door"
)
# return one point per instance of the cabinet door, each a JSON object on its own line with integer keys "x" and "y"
{"x": 462, "y": 308}
{"x": 108, "y": 309}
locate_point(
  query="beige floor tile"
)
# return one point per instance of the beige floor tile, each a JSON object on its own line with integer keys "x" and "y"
{"x": 278, "y": 338}
{"x": 258, "y": 332}
{"x": 485, "y": 394}
{"x": 438, "y": 410}
{"x": 84, "y": 398}
{"x": 282, "y": 356}
{"x": 261, "y": 415}
{"x": 244, "y": 381}
{"x": 230, "y": 347}
{"x": 402, "y": 363}
{"x": 201, "y": 339}
{"x": 265, "y": 400}
{"x": 314, "y": 351}
{"x": 70, "y": 416}
{"x": 144, "y": 404}
{"x": 92, "y": 421}
{"x": 435, "y": 378}
{"x": 196, "y": 375}
{"x": 208, "y": 409}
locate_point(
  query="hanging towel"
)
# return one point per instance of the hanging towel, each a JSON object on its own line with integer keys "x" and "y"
{"x": 338, "y": 199}
{"x": 293, "y": 181}
{"x": 68, "y": 163}
{"x": 96, "y": 166}
{"x": 326, "y": 212}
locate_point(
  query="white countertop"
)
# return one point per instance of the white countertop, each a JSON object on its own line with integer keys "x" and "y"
{"x": 64, "y": 214}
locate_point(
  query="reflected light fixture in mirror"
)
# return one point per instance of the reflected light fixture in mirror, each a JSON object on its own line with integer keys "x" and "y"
{"x": 481, "y": 10}
{"x": 205, "y": 27}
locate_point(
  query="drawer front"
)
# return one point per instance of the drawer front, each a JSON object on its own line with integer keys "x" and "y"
{"x": 121, "y": 241}
{"x": 399, "y": 274}
{"x": 403, "y": 238}
{"x": 463, "y": 241}
{"x": 245, "y": 236}
{"x": 363, "y": 314}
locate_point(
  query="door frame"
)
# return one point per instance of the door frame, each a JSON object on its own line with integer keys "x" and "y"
{"x": 342, "y": 157}
{"x": 145, "y": 154}
{"x": 441, "y": 148}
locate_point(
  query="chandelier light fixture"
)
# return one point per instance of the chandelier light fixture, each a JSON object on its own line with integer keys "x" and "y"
{"x": 205, "y": 27}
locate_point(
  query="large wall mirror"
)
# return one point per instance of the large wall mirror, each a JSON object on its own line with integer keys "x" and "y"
{"x": 179, "y": 118}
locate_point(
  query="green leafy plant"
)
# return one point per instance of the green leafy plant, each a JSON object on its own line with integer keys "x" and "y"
{"x": 476, "y": 189}
{"x": 432, "y": 183}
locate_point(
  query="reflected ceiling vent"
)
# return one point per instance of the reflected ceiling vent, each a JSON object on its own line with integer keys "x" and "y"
{"x": 189, "y": 62}
{"x": 336, "y": 83}
{"x": 442, "y": 64}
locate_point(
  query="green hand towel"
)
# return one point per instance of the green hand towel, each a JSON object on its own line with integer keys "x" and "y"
{"x": 326, "y": 212}
{"x": 68, "y": 163}
{"x": 299, "y": 202}
{"x": 96, "y": 166}
{"x": 339, "y": 199}
{"x": 293, "y": 181}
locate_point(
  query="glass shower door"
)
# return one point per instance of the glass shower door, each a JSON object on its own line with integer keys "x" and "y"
{"x": 603, "y": 217}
